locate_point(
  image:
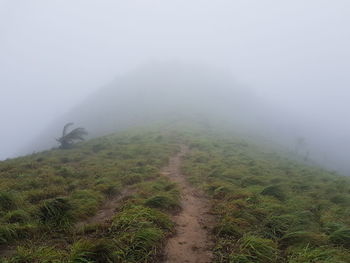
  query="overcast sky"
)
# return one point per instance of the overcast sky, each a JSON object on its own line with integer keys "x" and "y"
{"x": 293, "y": 53}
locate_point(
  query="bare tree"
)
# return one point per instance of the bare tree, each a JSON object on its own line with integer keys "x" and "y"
{"x": 68, "y": 139}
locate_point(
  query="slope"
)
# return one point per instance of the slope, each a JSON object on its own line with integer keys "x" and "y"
{"x": 118, "y": 199}
{"x": 94, "y": 203}
{"x": 269, "y": 208}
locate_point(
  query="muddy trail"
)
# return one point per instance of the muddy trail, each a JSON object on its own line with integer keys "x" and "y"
{"x": 192, "y": 242}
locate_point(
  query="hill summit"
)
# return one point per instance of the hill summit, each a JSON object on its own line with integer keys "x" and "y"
{"x": 165, "y": 91}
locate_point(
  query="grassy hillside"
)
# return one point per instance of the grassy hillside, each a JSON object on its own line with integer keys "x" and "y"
{"x": 46, "y": 199}
{"x": 269, "y": 208}
{"x": 106, "y": 201}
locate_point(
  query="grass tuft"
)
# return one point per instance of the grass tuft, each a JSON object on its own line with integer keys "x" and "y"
{"x": 7, "y": 201}
{"x": 275, "y": 191}
{"x": 341, "y": 237}
{"x": 39, "y": 254}
{"x": 93, "y": 250}
{"x": 56, "y": 213}
{"x": 17, "y": 216}
{"x": 163, "y": 202}
{"x": 258, "y": 250}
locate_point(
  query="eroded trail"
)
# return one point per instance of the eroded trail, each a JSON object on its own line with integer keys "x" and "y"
{"x": 192, "y": 241}
{"x": 107, "y": 211}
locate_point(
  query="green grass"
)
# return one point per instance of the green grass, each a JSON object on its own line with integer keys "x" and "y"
{"x": 17, "y": 216}
{"x": 37, "y": 254}
{"x": 341, "y": 237}
{"x": 8, "y": 201}
{"x": 268, "y": 206}
{"x": 93, "y": 250}
{"x": 139, "y": 232}
{"x": 43, "y": 196}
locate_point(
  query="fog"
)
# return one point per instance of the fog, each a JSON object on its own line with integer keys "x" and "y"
{"x": 278, "y": 68}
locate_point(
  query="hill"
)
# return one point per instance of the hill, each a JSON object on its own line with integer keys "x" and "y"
{"x": 121, "y": 198}
{"x": 160, "y": 92}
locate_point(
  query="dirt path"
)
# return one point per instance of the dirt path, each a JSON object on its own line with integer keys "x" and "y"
{"x": 107, "y": 211}
{"x": 192, "y": 241}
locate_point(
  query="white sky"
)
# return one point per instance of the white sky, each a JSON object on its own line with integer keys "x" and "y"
{"x": 294, "y": 53}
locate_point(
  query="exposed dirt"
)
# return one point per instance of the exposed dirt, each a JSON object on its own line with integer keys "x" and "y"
{"x": 192, "y": 242}
{"x": 107, "y": 210}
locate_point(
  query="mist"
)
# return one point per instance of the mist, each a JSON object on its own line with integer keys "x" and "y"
{"x": 275, "y": 68}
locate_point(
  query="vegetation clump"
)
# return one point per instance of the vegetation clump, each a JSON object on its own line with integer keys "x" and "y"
{"x": 38, "y": 254}
{"x": 69, "y": 138}
{"x": 162, "y": 202}
{"x": 275, "y": 191}
{"x": 17, "y": 216}
{"x": 93, "y": 250}
{"x": 258, "y": 249}
{"x": 341, "y": 237}
{"x": 140, "y": 232}
{"x": 56, "y": 212}
{"x": 7, "y": 201}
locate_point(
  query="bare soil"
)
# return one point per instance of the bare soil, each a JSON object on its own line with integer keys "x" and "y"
{"x": 107, "y": 211}
{"x": 192, "y": 242}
